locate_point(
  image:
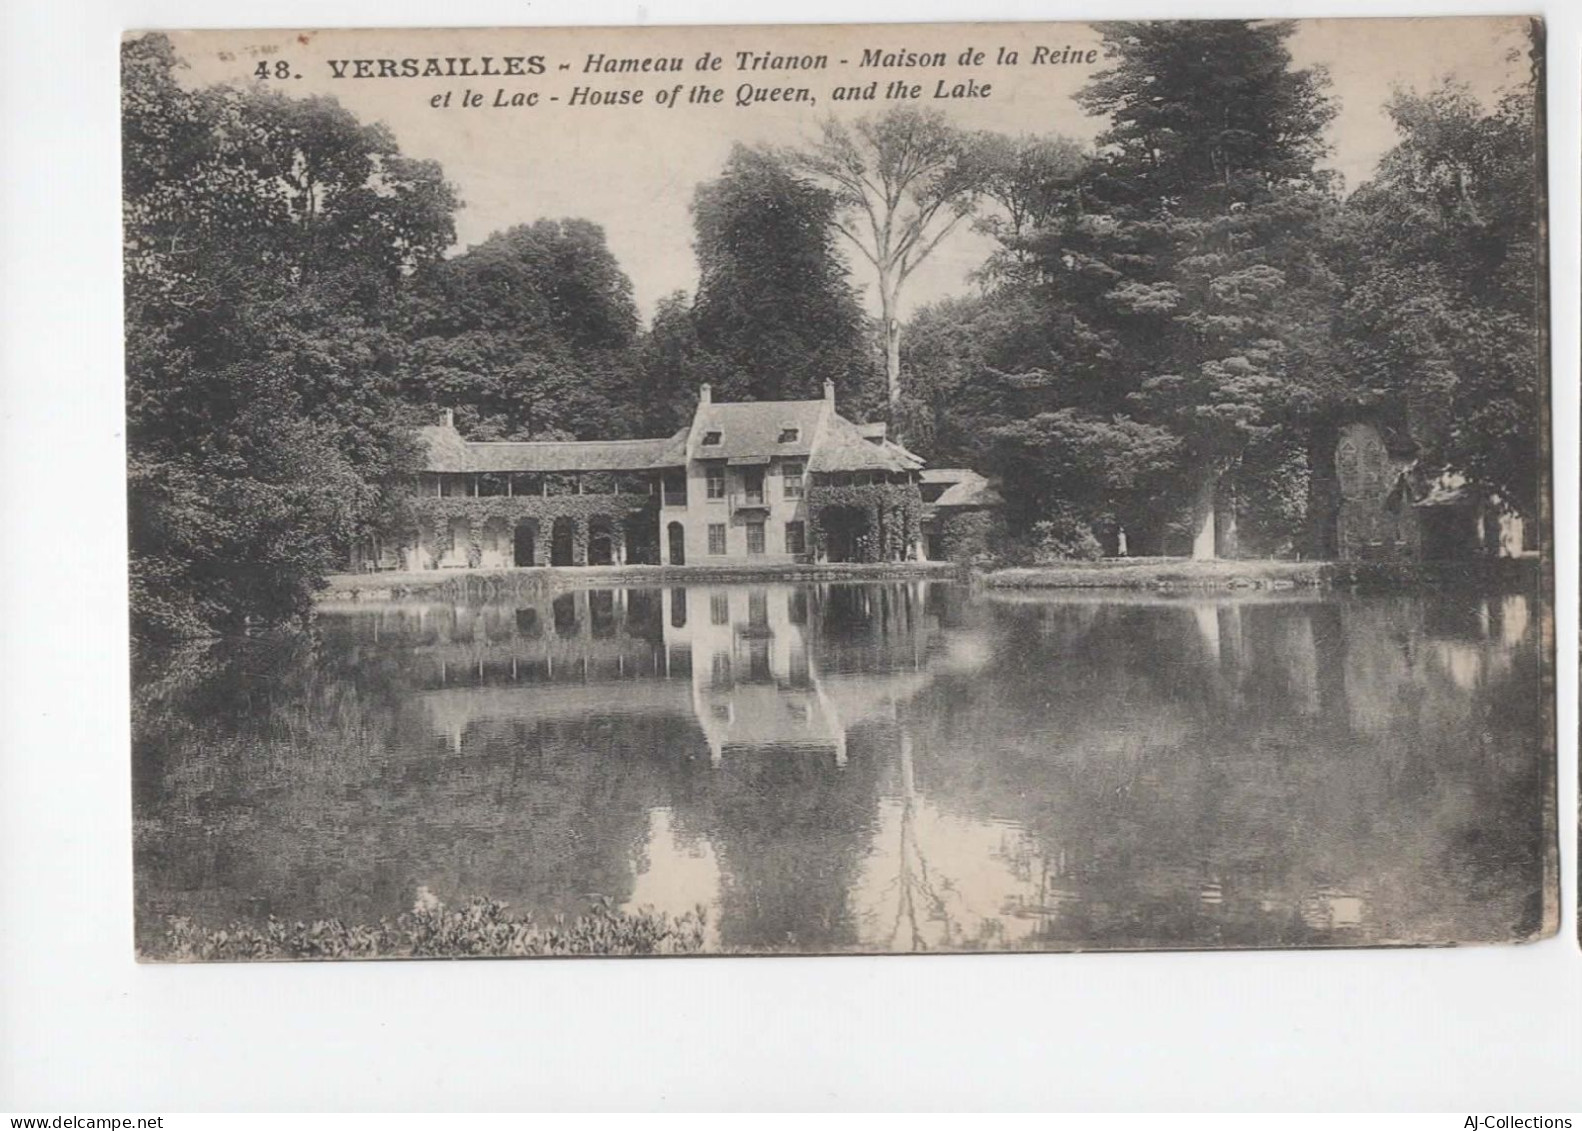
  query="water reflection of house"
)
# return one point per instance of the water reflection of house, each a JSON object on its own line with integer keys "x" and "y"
{"x": 739, "y": 660}
{"x": 754, "y": 681}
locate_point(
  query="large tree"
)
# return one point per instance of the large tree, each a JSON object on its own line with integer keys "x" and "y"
{"x": 528, "y": 335}
{"x": 1011, "y": 382}
{"x": 1202, "y": 211}
{"x": 902, "y": 180}
{"x": 670, "y": 365}
{"x": 1031, "y": 184}
{"x": 774, "y": 308}
{"x": 266, "y": 240}
{"x": 1442, "y": 261}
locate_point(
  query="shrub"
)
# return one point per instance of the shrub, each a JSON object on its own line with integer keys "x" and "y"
{"x": 1064, "y": 538}
{"x": 483, "y": 928}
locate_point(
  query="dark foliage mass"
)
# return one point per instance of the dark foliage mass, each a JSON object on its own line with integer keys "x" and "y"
{"x": 774, "y": 316}
{"x": 529, "y": 333}
{"x": 266, "y": 240}
{"x": 1168, "y": 332}
{"x": 1174, "y": 323}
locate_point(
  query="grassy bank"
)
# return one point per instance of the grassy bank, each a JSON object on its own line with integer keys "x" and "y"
{"x": 483, "y": 584}
{"x": 1184, "y": 573}
{"x": 482, "y": 929}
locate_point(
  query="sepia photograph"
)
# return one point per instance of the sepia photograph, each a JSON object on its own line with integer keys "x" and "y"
{"x": 871, "y": 489}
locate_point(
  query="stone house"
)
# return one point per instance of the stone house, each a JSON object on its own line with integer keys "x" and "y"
{"x": 762, "y": 482}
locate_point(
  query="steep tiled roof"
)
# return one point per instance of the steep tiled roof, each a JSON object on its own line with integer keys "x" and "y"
{"x": 749, "y": 432}
{"x": 965, "y": 488}
{"x": 841, "y": 447}
{"x": 570, "y": 455}
{"x": 447, "y": 451}
{"x": 753, "y": 428}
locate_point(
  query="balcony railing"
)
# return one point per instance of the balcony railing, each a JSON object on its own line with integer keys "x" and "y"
{"x": 745, "y": 501}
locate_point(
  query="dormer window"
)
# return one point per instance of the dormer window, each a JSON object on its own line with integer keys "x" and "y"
{"x": 790, "y": 435}
{"x": 712, "y": 439}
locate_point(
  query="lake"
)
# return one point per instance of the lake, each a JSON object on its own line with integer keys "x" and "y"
{"x": 896, "y": 766}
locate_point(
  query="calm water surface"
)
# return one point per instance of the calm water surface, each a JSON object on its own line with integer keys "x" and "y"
{"x": 890, "y": 766}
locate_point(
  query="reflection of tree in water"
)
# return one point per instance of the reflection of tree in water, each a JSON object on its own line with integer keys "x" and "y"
{"x": 913, "y": 883}
{"x": 1167, "y": 771}
{"x": 790, "y": 829}
{"x": 302, "y": 781}
{"x": 925, "y": 895}
{"x": 1307, "y": 772}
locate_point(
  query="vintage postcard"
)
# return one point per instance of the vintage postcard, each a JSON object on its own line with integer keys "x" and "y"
{"x": 838, "y": 489}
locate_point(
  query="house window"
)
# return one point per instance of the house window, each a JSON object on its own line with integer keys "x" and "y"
{"x": 712, "y": 439}
{"x": 796, "y": 538}
{"x": 793, "y": 480}
{"x": 753, "y": 484}
{"x": 716, "y": 537}
{"x": 719, "y": 608}
{"x": 715, "y": 477}
{"x": 790, "y": 435}
{"x": 675, "y": 490}
{"x": 755, "y": 537}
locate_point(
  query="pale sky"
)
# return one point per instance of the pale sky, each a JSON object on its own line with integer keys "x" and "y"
{"x": 632, "y": 169}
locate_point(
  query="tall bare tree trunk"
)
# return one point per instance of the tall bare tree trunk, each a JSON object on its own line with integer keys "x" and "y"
{"x": 1227, "y": 543}
{"x": 1323, "y": 535}
{"x": 1203, "y": 525}
{"x": 892, "y": 341}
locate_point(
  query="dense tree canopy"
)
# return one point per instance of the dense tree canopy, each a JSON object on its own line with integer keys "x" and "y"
{"x": 1209, "y": 181}
{"x": 528, "y": 334}
{"x": 1174, "y": 326}
{"x": 1442, "y": 257}
{"x": 265, "y": 240}
{"x": 774, "y": 306}
{"x": 775, "y": 315}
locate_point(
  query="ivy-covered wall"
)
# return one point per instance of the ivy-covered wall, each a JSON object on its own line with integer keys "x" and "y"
{"x": 893, "y": 514}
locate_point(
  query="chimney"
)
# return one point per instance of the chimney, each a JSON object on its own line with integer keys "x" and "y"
{"x": 449, "y": 418}
{"x": 829, "y": 392}
{"x": 705, "y": 394}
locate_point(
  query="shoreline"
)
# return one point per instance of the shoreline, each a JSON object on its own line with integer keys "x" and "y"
{"x": 537, "y": 579}
{"x": 1158, "y": 574}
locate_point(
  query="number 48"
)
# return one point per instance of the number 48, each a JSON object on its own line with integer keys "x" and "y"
{"x": 280, "y": 69}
